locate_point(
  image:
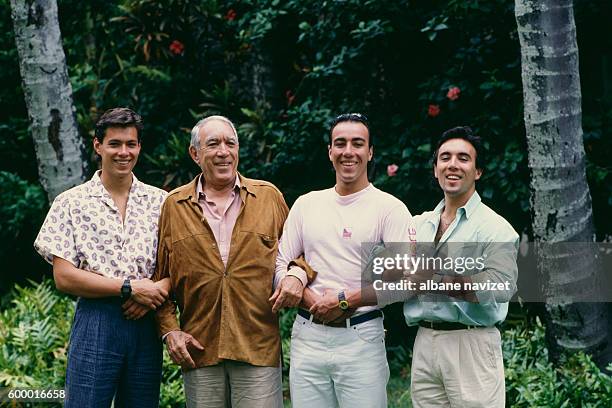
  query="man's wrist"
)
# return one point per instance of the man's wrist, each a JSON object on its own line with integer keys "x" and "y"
{"x": 343, "y": 303}
{"x": 165, "y": 336}
{"x": 126, "y": 290}
{"x": 298, "y": 273}
{"x": 353, "y": 297}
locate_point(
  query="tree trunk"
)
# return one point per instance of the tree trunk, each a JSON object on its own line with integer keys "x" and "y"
{"x": 48, "y": 95}
{"x": 560, "y": 197}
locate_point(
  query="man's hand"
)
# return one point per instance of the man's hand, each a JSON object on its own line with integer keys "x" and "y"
{"x": 133, "y": 310}
{"x": 178, "y": 343}
{"x": 309, "y": 298}
{"x": 327, "y": 309}
{"x": 419, "y": 276}
{"x": 148, "y": 293}
{"x": 288, "y": 293}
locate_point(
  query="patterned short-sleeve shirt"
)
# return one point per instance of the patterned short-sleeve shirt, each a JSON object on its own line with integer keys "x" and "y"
{"x": 84, "y": 227}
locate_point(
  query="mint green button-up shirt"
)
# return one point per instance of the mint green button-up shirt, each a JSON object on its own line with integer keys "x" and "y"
{"x": 479, "y": 231}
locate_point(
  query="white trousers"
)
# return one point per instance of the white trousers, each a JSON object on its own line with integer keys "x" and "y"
{"x": 338, "y": 366}
{"x": 457, "y": 368}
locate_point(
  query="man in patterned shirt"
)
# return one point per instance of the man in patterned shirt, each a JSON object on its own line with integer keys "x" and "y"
{"x": 101, "y": 238}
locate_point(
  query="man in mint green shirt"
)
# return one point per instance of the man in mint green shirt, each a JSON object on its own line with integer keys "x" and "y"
{"x": 457, "y": 358}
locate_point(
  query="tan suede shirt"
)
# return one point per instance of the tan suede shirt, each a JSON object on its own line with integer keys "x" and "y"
{"x": 225, "y": 308}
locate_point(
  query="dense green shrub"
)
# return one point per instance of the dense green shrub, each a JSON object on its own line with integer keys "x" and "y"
{"x": 532, "y": 381}
{"x": 282, "y": 70}
{"x": 22, "y": 209}
{"x": 35, "y": 324}
{"x": 34, "y": 327}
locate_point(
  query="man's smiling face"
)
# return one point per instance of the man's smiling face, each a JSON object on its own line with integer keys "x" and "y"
{"x": 455, "y": 168}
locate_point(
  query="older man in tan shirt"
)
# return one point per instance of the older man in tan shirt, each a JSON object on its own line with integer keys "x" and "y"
{"x": 218, "y": 244}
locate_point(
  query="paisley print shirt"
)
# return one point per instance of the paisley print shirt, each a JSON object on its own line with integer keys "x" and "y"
{"x": 84, "y": 227}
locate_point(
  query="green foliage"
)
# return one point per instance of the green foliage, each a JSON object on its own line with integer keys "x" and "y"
{"x": 35, "y": 323}
{"x": 171, "y": 162}
{"x": 533, "y": 381}
{"x": 285, "y": 322}
{"x": 19, "y": 202}
{"x": 22, "y": 210}
{"x": 34, "y": 326}
{"x": 281, "y": 70}
{"x": 172, "y": 393}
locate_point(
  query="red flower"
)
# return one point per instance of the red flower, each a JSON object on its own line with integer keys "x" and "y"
{"x": 392, "y": 170}
{"x": 290, "y": 97}
{"x": 453, "y": 93}
{"x": 231, "y": 15}
{"x": 433, "y": 111}
{"x": 176, "y": 47}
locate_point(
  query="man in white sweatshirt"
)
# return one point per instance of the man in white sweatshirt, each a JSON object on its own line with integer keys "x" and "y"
{"x": 342, "y": 361}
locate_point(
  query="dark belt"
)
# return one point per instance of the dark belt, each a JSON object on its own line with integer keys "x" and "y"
{"x": 362, "y": 318}
{"x": 447, "y": 325}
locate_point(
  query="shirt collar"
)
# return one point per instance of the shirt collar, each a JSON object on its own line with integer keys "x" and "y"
{"x": 468, "y": 208}
{"x": 192, "y": 190}
{"x": 472, "y": 204}
{"x": 97, "y": 189}
{"x": 200, "y": 190}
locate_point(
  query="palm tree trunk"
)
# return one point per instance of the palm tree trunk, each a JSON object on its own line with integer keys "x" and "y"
{"x": 48, "y": 95}
{"x": 560, "y": 197}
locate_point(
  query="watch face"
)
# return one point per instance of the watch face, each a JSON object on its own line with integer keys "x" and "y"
{"x": 126, "y": 290}
{"x": 344, "y": 305}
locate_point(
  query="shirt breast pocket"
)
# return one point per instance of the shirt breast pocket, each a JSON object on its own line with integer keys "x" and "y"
{"x": 264, "y": 240}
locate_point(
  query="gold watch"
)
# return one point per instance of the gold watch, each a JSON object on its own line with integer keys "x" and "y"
{"x": 342, "y": 302}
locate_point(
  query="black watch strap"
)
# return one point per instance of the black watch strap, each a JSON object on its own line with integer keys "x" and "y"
{"x": 126, "y": 290}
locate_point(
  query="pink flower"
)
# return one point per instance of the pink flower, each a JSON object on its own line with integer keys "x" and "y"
{"x": 392, "y": 170}
{"x": 290, "y": 97}
{"x": 433, "y": 111}
{"x": 453, "y": 93}
{"x": 176, "y": 47}
{"x": 231, "y": 15}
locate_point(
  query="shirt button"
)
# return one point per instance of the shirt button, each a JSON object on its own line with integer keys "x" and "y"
{"x": 214, "y": 245}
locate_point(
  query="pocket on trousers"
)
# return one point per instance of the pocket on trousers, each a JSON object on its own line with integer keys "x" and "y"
{"x": 493, "y": 348}
{"x": 370, "y": 333}
{"x": 298, "y": 325}
{"x": 77, "y": 322}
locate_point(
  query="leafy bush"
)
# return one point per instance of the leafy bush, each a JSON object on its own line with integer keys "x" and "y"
{"x": 35, "y": 323}
{"x": 22, "y": 210}
{"x": 533, "y": 381}
{"x": 34, "y": 328}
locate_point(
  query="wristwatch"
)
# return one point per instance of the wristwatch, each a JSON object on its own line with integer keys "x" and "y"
{"x": 126, "y": 290}
{"x": 342, "y": 302}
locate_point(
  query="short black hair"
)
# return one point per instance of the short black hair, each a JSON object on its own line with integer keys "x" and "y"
{"x": 465, "y": 133}
{"x": 352, "y": 117}
{"x": 118, "y": 117}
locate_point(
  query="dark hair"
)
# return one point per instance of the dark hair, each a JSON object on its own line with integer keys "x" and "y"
{"x": 118, "y": 117}
{"x": 352, "y": 117}
{"x": 465, "y": 133}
